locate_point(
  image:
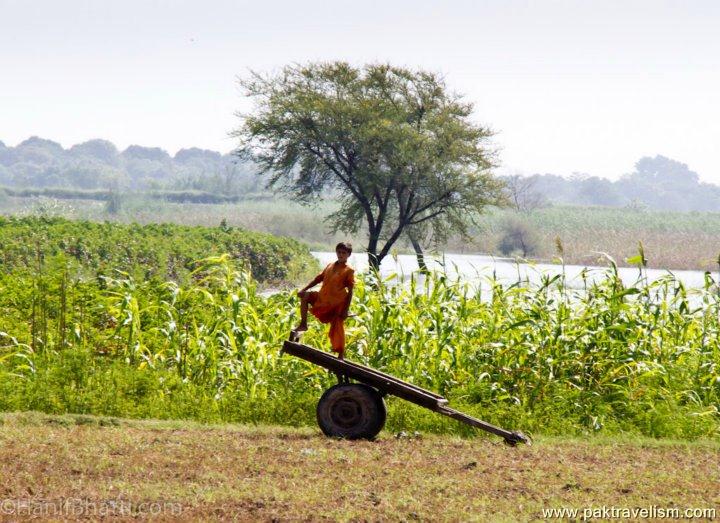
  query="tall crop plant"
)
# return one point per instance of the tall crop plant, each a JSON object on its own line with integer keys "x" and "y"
{"x": 643, "y": 358}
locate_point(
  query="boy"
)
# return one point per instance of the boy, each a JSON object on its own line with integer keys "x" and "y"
{"x": 332, "y": 303}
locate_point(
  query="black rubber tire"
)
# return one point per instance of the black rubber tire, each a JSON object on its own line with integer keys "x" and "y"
{"x": 351, "y": 411}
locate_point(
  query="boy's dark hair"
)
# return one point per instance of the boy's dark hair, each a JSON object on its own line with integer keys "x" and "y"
{"x": 347, "y": 246}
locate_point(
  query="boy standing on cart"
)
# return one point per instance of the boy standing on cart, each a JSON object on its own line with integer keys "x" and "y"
{"x": 332, "y": 303}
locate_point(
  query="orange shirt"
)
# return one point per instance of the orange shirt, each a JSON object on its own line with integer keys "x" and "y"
{"x": 336, "y": 280}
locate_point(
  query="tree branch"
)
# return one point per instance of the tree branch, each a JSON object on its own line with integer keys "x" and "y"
{"x": 427, "y": 217}
{"x": 364, "y": 202}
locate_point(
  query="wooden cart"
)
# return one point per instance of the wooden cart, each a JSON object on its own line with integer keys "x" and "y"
{"x": 357, "y": 410}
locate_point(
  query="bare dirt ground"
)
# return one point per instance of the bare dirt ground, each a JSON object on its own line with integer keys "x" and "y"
{"x": 80, "y": 467}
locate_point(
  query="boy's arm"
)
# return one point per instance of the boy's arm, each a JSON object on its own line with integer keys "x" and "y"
{"x": 349, "y": 284}
{"x": 346, "y": 309}
{"x": 312, "y": 284}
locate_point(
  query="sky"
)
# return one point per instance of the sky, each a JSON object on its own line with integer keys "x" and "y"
{"x": 568, "y": 86}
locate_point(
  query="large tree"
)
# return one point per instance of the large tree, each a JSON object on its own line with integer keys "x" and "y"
{"x": 395, "y": 145}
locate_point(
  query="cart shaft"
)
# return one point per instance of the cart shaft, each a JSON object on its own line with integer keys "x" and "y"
{"x": 387, "y": 384}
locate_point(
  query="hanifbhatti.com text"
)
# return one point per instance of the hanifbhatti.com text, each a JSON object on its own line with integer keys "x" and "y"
{"x": 79, "y": 507}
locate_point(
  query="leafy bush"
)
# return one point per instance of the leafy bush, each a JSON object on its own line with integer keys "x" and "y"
{"x": 147, "y": 251}
{"x": 518, "y": 237}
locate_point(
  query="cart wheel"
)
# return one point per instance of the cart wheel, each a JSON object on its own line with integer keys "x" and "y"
{"x": 352, "y": 411}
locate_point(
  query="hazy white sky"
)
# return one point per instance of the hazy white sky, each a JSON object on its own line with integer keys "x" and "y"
{"x": 586, "y": 86}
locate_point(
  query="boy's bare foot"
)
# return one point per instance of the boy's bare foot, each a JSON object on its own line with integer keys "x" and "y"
{"x": 297, "y": 332}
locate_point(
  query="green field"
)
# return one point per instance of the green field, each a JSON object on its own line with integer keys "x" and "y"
{"x": 39, "y": 244}
{"x": 267, "y": 215}
{"x": 105, "y": 324}
{"x": 672, "y": 240}
{"x": 88, "y": 330}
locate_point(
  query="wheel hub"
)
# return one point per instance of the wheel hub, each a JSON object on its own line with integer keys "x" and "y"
{"x": 346, "y": 412}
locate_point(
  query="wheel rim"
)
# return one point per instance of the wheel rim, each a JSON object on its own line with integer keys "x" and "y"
{"x": 346, "y": 413}
{"x": 351, "y": 411}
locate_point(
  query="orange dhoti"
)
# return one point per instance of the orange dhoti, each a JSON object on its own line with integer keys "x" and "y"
{"x": 331, "y": 303}
{"x": 329, "y": 313}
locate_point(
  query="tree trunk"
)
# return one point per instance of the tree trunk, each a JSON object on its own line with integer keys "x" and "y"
{"x": 373, "y": 260}
{"x": 418, "y": 253}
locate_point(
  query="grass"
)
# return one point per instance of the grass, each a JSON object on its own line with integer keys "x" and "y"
{"x": 583, "y": 231}
{"x": 263, "y": 473}
{"x": 672, "y": 240}
{"x": 277, "y": 217}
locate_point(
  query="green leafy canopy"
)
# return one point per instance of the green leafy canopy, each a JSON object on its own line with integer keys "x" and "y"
{"x": 398, "y": 149}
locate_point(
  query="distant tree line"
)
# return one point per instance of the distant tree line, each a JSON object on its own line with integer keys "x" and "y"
{"x": 656, "y": 183}
{"x": 98, "y": 165}
{"x": 197, "y": 174}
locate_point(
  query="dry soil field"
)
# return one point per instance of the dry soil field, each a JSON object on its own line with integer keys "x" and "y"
{"x": 79, "y": 467}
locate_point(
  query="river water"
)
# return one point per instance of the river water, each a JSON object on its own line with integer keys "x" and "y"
{"x": 476, "y": 269}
